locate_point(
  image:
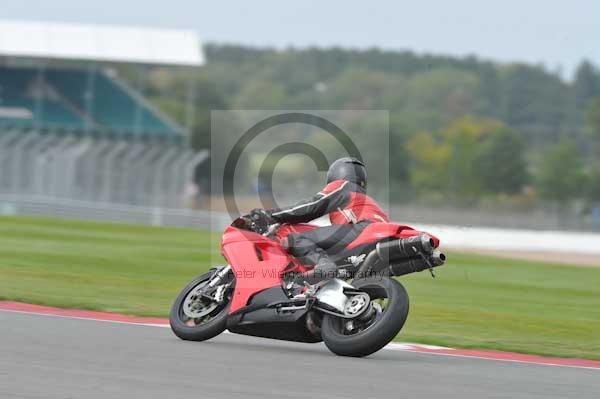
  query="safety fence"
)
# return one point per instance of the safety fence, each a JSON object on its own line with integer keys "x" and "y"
{"x": 16, "y": 204}
{"x": 108, "y": 170}
{"x": 458, "y": 237}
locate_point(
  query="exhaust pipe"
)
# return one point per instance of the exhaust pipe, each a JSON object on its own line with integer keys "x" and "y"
{"x": 438, "y": 258}
{"x": 417, "y": 264}
{"x": 386, "y": 253}
{"x": 405, "y": 248}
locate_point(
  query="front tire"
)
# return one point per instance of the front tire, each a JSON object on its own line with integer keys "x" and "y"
{"x": 377, "y": 332}
{"x": 202, "y": 328}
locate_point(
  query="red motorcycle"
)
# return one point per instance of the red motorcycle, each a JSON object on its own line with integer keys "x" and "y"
{"x": 355, "y": 314}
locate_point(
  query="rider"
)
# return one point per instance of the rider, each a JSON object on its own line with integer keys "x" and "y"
{"x": 350, "y": 210}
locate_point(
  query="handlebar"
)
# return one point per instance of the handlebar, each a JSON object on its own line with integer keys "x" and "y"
{"x": 246, "y": 223}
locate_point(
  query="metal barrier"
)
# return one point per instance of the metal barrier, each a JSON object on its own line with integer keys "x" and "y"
{"x": 136, "y": 171}
{"x": 474, "y": 238}
{"x": 11, "y": 204}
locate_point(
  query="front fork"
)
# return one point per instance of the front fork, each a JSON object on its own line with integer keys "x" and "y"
{"x": 219, "y": 276}
{"x": 217, "y": 294}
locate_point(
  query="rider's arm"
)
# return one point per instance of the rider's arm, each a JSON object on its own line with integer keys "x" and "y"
{"x": 335, "y": 195}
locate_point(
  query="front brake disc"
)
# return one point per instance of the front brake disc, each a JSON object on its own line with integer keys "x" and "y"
{"x": 196, "y": 305}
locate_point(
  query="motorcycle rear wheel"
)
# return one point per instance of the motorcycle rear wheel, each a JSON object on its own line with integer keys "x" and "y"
{"x": 202, "y": 328}
{"x": 376, "y": 331}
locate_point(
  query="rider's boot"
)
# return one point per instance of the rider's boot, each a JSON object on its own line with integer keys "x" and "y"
{"x": 305, "y": 284}
{"x": 324, "y": 269}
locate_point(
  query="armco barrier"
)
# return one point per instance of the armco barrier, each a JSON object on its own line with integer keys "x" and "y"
{"x": 107, "y": 212}
{"x": 452, "y": 236}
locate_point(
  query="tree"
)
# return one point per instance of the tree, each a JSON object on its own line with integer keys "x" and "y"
{"x": 593, "y": 186}
{"x": 426, "y": 91}
{"x": 435, "y": 97}
{"x": 261, "y": 94}
{"x": 460, "y": 157}
{"x": 500, "y": 164}
{"x": 560, "y": 177}
{"x": 586, "y": 85}
{"x": 468, "y": 158}
{"x": 430, "y": 157}
{"x": 465, "y": 137}
{"x": 533, "y": 98}
{"x": 593, "y": 116}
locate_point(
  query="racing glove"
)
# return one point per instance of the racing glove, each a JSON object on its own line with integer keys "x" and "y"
{"x": 261, "y": 218}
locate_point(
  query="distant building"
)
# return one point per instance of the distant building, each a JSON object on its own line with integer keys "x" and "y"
{"x": 71, "y": 127}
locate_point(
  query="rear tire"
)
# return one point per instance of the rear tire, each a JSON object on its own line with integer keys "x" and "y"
{"x": 382, "y": 330}
{"x": 185, "y": 329}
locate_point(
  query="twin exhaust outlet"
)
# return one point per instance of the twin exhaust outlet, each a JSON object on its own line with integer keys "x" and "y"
{"x": 403, "y": 256}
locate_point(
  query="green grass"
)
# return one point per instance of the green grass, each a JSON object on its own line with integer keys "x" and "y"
{"x": 475, "y": 302}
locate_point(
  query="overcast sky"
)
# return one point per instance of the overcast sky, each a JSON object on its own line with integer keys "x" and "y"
{"x": 557, "y": 33}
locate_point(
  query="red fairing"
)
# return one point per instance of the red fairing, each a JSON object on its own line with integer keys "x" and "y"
{"x": 378, "y": 231}
{"x": 257, "y": 262}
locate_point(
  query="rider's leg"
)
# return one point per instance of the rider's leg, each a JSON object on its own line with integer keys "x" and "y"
{"x": 312, "y": 246}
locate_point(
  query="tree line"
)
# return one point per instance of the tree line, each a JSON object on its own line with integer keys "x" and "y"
{"x": 462, "y": 129}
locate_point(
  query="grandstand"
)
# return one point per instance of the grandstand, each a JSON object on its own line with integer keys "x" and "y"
{"x": 72, "y": 128}
{"x": 59, "y": 99}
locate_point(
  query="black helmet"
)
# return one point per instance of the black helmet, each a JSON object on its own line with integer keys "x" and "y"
{"x": 350, "y": 169}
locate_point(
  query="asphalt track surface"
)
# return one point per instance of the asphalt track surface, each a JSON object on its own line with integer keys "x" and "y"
{"x": 53, "y": 357}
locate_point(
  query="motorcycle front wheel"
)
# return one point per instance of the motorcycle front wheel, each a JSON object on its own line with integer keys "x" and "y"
{"x": 369, "y": 333}
{"x": 195, "y": 316}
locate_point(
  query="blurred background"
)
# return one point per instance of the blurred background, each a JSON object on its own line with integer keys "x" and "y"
{"x": 494, "y": 146}
{"x": 494, "y": 111}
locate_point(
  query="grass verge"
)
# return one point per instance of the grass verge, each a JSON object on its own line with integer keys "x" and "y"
{"x": 475, "y": 302}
